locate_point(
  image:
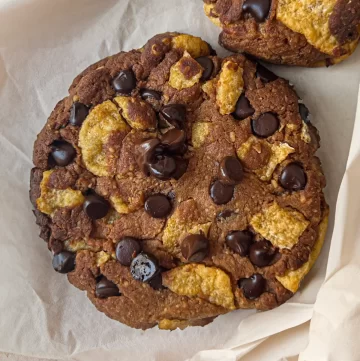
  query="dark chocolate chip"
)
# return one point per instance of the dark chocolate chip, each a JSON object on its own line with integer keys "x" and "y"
{"x": 221, "y": 193}
{"x": 243, "y": 109}
{"x": 195, "y": 247}
{"x": 158, "y": 206}
{"x": 265, "y": 74}
{"x": 181, "y": 167}
{"x": 127, "y": 249}
{"x": 78, "y": 113}
{"x": 175, "y": 114}
{"x": 293, "y": 177}
{"x": 105, "y": 288}
{"x": 64, "y": 262}
{"x": 259, "y": 9}
{"x": 231, "y": 170}
{"x": 149, "y": 93}
{"x": 304, "y": 113}
{"x": 253, "y": 287}
{"x": 262, "y": 253}
{"x": 62, "y": 153}
{"x": 124, "y": 82}
{"x": 162, "y": 167}
{"x": 95, "y": 206}
{"x": 144, "y": 267}
{"x": 156, "y": 282}
{"x": 227, "y": 213}
{"x": 174, "y": 140}
{"x": 146, "y": 152}
{"x": 208, "y": 66}
{"x": 266, "y": 125}
{"x": 239, "y": 242}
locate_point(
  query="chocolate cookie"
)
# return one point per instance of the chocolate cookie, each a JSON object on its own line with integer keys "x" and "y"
{"x": 305, "y": 33}
{"x": 174, "y": 186}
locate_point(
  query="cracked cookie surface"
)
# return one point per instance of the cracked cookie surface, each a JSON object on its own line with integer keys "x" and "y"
{"x": 305, "y": 32}
{"x": 174, "y": 186}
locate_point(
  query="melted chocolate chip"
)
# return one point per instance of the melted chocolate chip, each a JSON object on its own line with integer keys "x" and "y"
{"x": 162, "y": 167}
{"x": 146, "y": 152}
{"x": 105, "y": 288}
{"x": 239, "y": 242}
{"x": 78, "y": 114}
{"x": 293, "y": 177}
{"x": 127, "y": 249}
{"x": 95, "y": 206}
{"x": 158, "y": 206}
{"x": 253, "y": 287}
{"x": 221, "y": 193}
{"x": 124, "y": 82}
{"x": 62, "y": 153}
{"x": 174, "y": 140}
{"x": 259, "y": 9}
{"x": 208, "y": 66}
{"x": 243, "y": 109}
{"x": 231, "y": 170}
{"x": 266, "y": 125}
{"x": 265, "y": 74}
{"x": 181, "y": 167}
{"x": 149, "y": 93}
{"x": 262, "y": 253}
{"x": 227, "y": 213}
{"x": 64, "y": 262}
{"x": 144, "y": 267}
{"x": 175, "y": 114}
{"x": 195, "y": 247}
{"x": 156, "y": 282}
{"x": 304, "y": 113}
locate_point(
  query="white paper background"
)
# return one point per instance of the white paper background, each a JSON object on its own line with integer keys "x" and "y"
{"x": 44, "y": 44}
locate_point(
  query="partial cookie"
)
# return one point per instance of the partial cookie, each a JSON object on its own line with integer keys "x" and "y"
{"x": 174, "y": 186}
{"x": 305, "y": 33}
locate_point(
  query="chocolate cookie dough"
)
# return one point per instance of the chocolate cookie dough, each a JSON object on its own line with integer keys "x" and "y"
{"x": 306, "y": 33}
{"x": 174, "y": 186}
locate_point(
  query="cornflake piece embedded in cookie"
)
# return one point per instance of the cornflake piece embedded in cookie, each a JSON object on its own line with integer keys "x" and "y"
{"x": 282, "y": 227}
{"x": 195, "y": 46}
{"x": 197, "y": 280}
{"x": 200, "y": 131}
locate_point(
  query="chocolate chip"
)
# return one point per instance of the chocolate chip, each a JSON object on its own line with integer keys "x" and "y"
{"x": 175, "y": 114}
{"x": 304, "y": 113}
{"x": 265, "y": 74}
{"x": 208, "y": 66}
{"x": 149, "y": 93}
{"x": 95, "y": 206}
{"x": 64, "y": 262}
{"x": 266, "y": 125}
{"x": 221, "y": 193}
{"x": 212, "y": 50}
{"x": 195, "y": 247}
{"x": 253, "y": 287}
{"x": 181, "y": 167}
{"x": 243, "y": 109}
{"x": 62, "y": 153}
{"x": 239, "y": 242}
{"x": 231, "y": 170}
{"x": 78, "y": 114}
{"x": 105, "y": 288}
{"x": 127, "y": 249}
{"x": 174, "y": 140}
{"x": 227, "y": 213}
{"x": 145, "y": 153}
{"x": 162, "y": 167}
{"x": 124, "y": 82}
{"x": 262, "y": 253}
{"x": 293, "y": 177}
{"x": 158, "y": 206}
{"x": 144, "y": 267}
{"x": 156, "y": 282}
{"x": 259, "y": 9}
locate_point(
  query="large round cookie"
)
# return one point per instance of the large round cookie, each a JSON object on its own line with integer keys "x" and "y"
{"x": 295, "y": 32}
{"x": 174, "y": 186}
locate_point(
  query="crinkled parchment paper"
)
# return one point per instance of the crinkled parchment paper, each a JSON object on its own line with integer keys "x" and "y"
{"x": 44, "y": 44}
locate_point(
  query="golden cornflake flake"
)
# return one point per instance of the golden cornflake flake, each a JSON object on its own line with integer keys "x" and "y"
{"x": 199, "y": 133}
{"x": 192, "y": 44}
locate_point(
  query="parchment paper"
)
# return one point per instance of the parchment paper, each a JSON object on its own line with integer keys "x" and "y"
{"x": 43, "y": 45}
